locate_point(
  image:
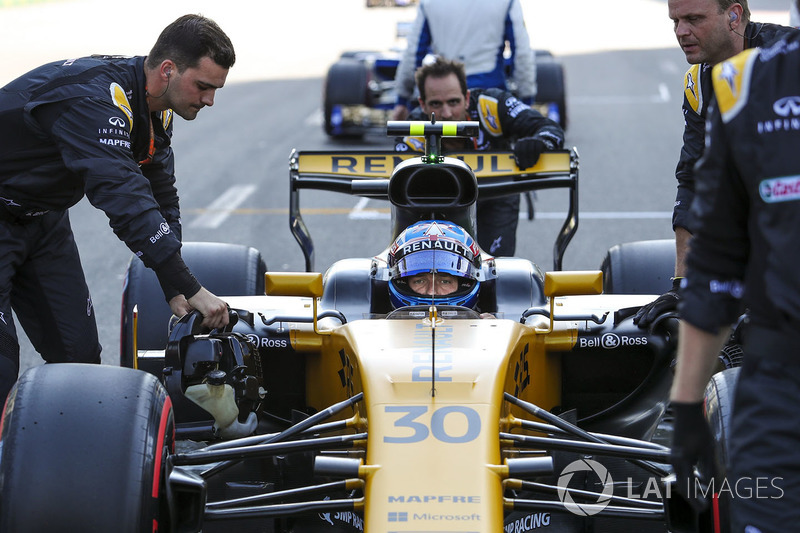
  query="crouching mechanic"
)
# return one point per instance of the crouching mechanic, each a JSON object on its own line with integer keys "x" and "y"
{"x": 99, "y": 126}
{"x": 747, "y": 214}
{"x": 505, "y": 123}
{"x": 435, "y": 261}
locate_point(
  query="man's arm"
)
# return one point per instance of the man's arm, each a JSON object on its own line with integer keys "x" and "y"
{"x": 419, "y": 42}
{"x": 522, "y": 57}
{"x": 682, "y": 238}
{"x": 697, "y": 356}
{"x": 694, "y": 112}
{"x": 114, "y": 183}
{"x": 533, "y": 132}
{"x": 696, "y": 97}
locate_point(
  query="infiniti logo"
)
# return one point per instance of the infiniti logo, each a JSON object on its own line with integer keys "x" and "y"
{"x": 116, "y": 121}
{"x": 786, "y": 106}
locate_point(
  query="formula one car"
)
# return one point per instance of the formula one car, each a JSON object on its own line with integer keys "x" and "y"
{"x": 359, "y": 92}
{"x": 322, "y": 407}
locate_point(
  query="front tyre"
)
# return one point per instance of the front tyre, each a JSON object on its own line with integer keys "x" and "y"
{"x": 83, "y": 449}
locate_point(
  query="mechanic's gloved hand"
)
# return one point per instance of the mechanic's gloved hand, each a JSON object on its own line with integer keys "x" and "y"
{"x": 527, "y": 151}
{"x": 692, "y": 444}
{"x": 665, "y": 303}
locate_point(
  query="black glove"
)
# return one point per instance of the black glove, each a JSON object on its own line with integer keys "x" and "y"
{"x": 527, "y": 151}
{"x": 692, "y": 444}
{"x": 663, "y": 304}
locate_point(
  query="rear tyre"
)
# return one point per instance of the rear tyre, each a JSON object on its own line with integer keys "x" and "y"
{"x": 83, "y": 449}
{"x": 551, "y": 85}
{"x": 641, "y": 267}
{"x": 719, "y": 407}
{"x": 345, "y": 84}
{"x": 224, "y": 269}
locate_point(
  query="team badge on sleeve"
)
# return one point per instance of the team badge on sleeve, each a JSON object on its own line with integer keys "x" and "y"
{"x": 487, "y": 112}
{"x": 121, "y": 101}
{"x": 166, "y": 118}
{"x": 691, "y": 88}
{"x": 731, "y": 80}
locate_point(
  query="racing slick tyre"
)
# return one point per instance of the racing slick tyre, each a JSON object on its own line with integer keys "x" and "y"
{"x": 641, "y": 267}
{"x": 550, "y": 85}
{"x": 83, "y": 449}
{"x": 345, "y": 84}
{"x": 224, "y": 269}
{"x": 719, "y": 406}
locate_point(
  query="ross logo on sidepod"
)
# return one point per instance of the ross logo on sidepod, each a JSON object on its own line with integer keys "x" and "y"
{"x": 585, "y": 465}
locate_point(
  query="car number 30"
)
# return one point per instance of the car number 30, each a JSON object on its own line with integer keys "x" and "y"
{"x": 436, "y": 428}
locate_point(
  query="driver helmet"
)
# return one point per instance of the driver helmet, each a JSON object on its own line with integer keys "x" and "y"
{"x": 438, "y": 247}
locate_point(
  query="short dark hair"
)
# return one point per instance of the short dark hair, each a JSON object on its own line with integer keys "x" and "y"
{"x": 189, "y": 39}
{"x": 441, "y": 68}
{"x": 725, "y": 4}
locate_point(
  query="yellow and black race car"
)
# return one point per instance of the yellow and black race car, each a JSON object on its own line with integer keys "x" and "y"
{"x": 337, "y": 402}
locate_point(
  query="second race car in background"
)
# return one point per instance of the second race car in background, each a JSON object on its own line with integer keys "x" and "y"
{"x": 359, "y": 91}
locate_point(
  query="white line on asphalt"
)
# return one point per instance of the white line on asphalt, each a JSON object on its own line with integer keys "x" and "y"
{"x": 359, "y": 213}
{"x": 314, "y": 119}
{"x": 221, "y": 208}
{"x": 662, "y": 97}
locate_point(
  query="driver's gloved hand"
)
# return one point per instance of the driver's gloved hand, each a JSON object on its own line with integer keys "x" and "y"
{"x": 527, "y": 151}
{"x": 692, "y": 444}
{"x": 665, "y": 303}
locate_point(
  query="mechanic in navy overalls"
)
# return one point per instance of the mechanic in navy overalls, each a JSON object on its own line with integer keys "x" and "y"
{"x": 709, "y": 32}
{"x": 744, "y": 253}
{"x": 98, "y": 126}
{"x": 505, "y": 123}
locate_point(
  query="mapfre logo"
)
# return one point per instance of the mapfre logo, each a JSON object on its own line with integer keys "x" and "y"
{"x": 788, "y": 106}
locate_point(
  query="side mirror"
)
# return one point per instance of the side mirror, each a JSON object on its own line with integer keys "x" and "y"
{"x": 308, "y": 284}
{"x": 572, "y": 283}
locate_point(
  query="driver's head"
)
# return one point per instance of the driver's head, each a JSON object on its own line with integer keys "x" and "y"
{"x": 443, "y": 89}
{"x": 433, "y": 284}
{"x": 434, "y": 261}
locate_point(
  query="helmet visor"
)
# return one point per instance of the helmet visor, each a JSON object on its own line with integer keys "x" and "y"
{"x": 434, "y": 261}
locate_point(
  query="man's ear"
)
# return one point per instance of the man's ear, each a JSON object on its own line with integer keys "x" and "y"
{"x": 466, "y": 100}
{"x": 167, "y": 68}
{"x": 735, "y": 14}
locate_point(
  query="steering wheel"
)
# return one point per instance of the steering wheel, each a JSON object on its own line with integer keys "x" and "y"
{"x": 192, "y": 324}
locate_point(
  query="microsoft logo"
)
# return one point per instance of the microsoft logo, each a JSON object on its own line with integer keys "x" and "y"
{"x": 395, "y": 516}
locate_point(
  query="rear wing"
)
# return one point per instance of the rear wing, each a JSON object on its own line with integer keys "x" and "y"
{"x": 366, "y": 174}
